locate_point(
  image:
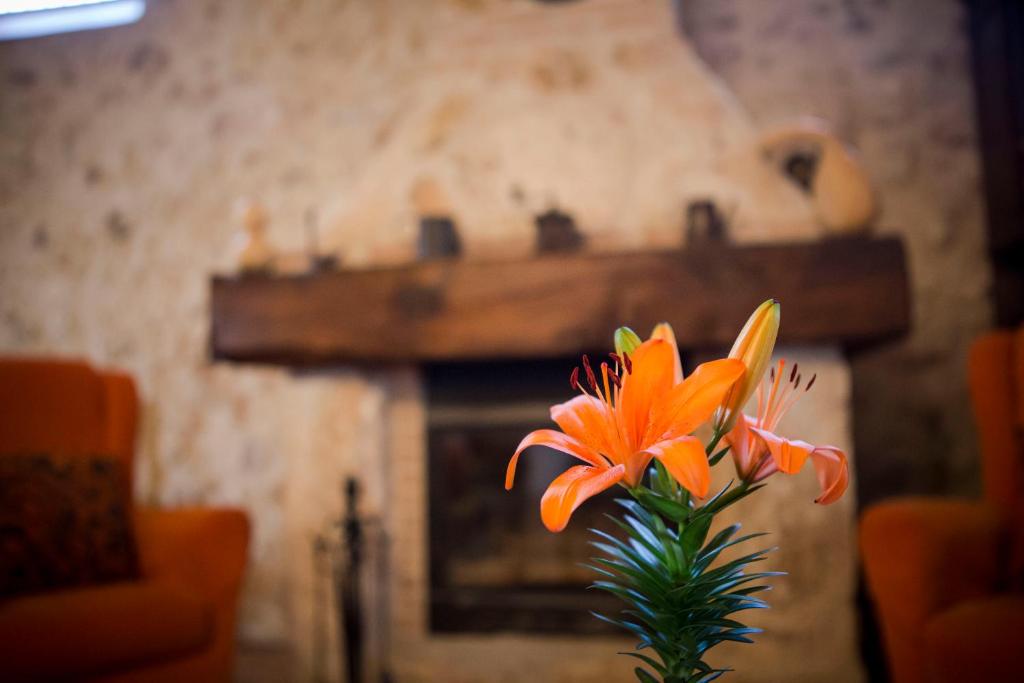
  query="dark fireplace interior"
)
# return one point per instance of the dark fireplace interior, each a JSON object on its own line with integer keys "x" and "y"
{"x": 493, "y": 565}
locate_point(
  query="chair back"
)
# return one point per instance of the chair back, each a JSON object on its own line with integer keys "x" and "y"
{"x": 996, "y": 378}
{"x": 66, "y": 408}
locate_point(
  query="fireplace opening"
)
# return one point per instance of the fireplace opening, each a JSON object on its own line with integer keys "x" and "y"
{"x": 493, "y": 565}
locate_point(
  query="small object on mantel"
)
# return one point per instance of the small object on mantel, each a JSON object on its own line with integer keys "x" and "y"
{"x": 821, "y": 165}
{"x": 438, "y": 238}
{"x": 556, "y": 232}
{"x": 705, "y": 223}
{"x": 318, "y": 260}
{"x": 252, "y": 251}
{"x": 292, "y": 263}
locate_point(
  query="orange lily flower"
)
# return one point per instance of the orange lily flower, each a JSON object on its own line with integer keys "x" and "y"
{"x": 759, "y": 453}
{"x": 616, "y": 430}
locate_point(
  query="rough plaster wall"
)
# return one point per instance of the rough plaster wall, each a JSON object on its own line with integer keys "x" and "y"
{"x": 893, "y": 78}
{"x": 122, "y": 152}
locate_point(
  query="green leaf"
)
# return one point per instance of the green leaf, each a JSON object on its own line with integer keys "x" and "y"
{"x": 714, "y": 459}
{"x": 675, "y": 511}
{"x": 723, "y": 501}
{"x": 650, "y": 661}
{"x": 693, "y": 535}
{"x": 644, "y": 676}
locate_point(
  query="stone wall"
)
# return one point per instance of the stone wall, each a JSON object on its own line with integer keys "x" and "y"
{"x": 123, "y": 151}
{"x": 893, "y": 79}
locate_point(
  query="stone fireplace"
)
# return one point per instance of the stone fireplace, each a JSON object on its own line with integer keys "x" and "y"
{"x": 812, "y": 614}
{"x": 473, "y": 585}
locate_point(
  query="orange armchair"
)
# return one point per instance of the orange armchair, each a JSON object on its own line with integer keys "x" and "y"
{"x": 177, "y": 622}
{"x": 945, "y": 574}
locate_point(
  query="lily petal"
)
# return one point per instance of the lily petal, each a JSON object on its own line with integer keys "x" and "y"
{"x": 645, "y": 387}
{"x": 738, "y": 441}
{"x": 685, "y": 460}
{"x": 664, "y": 332}
{"x": 571, "y": 488}
{"x": 558, "y": 441}
{"x": 693, "y": 402}
{"x": 789, "y": 454}
{"x": 833, "y": 472}
{"x": 589, "y": 421}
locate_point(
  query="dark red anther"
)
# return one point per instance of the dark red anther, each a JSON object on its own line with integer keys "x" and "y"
{"x": 615, "y": 358}
{"x": 792, "y": 374}
{"x": 628, "y": 362}
{"x": 615, "y": 379}
{"x": 796, "y": 385}
{"x": 574, "y": 379}
{"x": 811, "y": 383}
{"x": 590, "y": 373}
{"x": 771, "y": 375}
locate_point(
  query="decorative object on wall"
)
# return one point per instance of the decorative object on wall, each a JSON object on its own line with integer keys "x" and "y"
{"x": 705, "y": 223}
{"x": 438, "y": 236}
{"x": 633, "y": 425}
{"x": 292, "y": 263}
{"x": 319, "y": 261}
{"x": 253, "y": 253}
{"x": 828, "y": 170}
{"x": 557, "y": 232}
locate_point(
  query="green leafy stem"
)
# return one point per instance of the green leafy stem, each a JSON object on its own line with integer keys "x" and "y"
{"x": 679, "y": 602}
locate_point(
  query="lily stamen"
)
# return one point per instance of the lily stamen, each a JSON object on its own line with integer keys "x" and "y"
{"x": 785, "y": 400}
{"x": 771, "y": 403}
{"x": 591, "y": 378}
{"x": 607, "y": 389}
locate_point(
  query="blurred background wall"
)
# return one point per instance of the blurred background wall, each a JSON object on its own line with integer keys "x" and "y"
{"x": 123, "y": 152}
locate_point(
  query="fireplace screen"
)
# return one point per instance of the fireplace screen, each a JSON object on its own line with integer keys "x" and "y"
{"x": 493, "y": 565}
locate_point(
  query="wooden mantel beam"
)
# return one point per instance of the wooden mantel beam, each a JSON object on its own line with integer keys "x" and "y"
{"x": 849, "y": 291}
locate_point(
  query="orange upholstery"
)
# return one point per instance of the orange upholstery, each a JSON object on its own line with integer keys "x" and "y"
{"x": 178, "y": 623}
{"x": 942, "y": 572}
{"x": 203, "y": 550}
{"x": 89, "y": 630}
{"x": 991, "y": 626}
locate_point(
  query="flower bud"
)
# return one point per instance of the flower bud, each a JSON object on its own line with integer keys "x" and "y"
{"x": 626, "y": 341}
{"x": 754, "y": 347}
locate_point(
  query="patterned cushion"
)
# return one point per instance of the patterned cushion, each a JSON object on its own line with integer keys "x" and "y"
{"x": 64, "y": 521}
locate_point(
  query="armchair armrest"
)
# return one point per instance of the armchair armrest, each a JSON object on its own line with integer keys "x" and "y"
{"x": 203, "y": 549}
{"x": 922, "y": 555}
